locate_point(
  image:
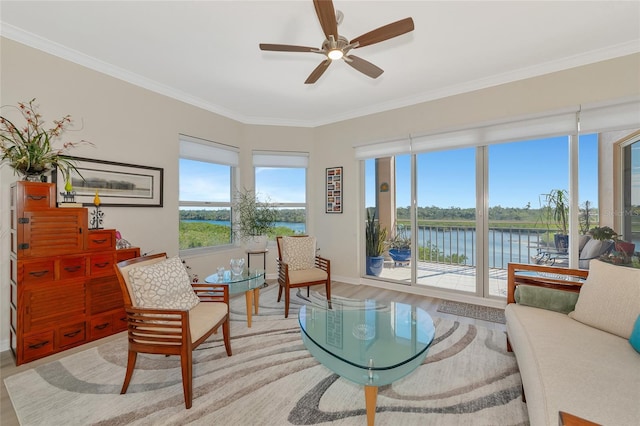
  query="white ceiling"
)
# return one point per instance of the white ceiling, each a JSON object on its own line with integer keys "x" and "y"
{"x": 206, "y": 52}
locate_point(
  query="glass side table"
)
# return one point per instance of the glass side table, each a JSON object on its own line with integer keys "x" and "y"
{"x": 249, "y": 282}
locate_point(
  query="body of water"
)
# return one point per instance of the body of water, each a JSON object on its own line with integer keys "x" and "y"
{"x": 298, "y": 228}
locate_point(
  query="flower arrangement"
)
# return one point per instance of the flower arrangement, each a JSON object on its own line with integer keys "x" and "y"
{"x": 29, "y": 149}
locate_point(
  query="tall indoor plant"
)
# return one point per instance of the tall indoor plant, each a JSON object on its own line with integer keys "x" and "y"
{"x": 375, "y": 236}
{"x": 29, "y": 148}
{"x": 253, "y": 219}
{"x": 556, "y": 210}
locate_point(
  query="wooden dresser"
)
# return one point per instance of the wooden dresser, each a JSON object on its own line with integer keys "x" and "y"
{"x": 63, "y": 290}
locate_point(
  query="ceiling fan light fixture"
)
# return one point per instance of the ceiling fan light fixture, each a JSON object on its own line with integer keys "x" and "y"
{"x": 335, "y": 54}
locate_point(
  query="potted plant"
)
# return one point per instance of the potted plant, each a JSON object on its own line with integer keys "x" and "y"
{"x": 28, "y": 147}
{"x": 556, "y": 210}
{"x": 254, "y": 220}
{"x": 603, "y": 233}
{"x": 375, "y": 237}
{"x": 400, "y": 245}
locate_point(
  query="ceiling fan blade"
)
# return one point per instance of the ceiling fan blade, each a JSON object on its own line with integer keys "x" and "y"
{"x": 320, "y": 69}
{"x": 327, "y": 17}
{"x": 285, "y": 48}
{"x": 386, "y": 32}
{"x": 363, "y": 66}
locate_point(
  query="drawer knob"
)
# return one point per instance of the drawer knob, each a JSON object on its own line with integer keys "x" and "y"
{"x": 72, "y": 268}
{"x": 102, "y": 326}
{"x": 39, "y": 273}
{"x": 102, "y": 241}
{"x": 73, "y": 333}
{"x": 102, "y": 264}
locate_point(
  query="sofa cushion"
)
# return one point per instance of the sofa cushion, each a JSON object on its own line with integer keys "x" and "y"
{"x": 162, "y": 285}
{"x": 546, "y": 298}
{"x": 568, "y": 366}
{"x": 299, "y": 252}
{"x": 635, "y": 335}
{"x": 609, "y": 299}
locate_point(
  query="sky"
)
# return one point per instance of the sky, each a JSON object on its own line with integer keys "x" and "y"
{"x": 518, "y": 174}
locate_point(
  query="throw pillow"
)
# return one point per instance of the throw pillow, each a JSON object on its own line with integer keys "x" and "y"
{"x": 299, "y": 252}
{"x": 635, "y": 335}
{"x": 163, "y": 285}
{"x": 609, "y": 299}
{"x": 546, "y": 298}
{"x": 592, "y": 250}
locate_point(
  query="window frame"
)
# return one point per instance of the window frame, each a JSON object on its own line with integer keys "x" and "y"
{"x": 201, "y": 150}
{"x": 284, "y": 160}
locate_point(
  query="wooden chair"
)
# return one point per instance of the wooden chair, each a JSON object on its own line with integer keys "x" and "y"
{"x": 172, "y": 331}
{"x": 291, "y": 275}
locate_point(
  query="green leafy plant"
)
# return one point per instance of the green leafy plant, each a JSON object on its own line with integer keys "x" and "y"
{"x": 253, "y": 217}
{"x": 556, "y": 209}
{"x": 29, "y": 149}
{"x": 402, "y": 238}
{"x": 603, "y": 233}
{"x": 375, "y": 236}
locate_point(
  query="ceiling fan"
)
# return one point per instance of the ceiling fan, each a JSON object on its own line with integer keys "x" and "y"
{"x": 338, "y": 47}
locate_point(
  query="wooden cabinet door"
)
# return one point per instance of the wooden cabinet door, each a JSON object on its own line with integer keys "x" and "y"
{"x": 52, "y": 303}
{"x": 59, "y": 231}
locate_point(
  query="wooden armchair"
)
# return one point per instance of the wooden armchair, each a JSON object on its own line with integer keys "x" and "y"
{"x": 158, "y": 326}
{"x": 299, "y": 266}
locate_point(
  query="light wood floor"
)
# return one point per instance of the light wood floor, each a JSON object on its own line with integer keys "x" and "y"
{"x": 8, "y": 367}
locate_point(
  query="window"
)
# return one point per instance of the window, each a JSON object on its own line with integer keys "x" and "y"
{"x": 631, "y": 192}
{"x": 483, "y": 195}
{"x": 206, "y": 172}
{"x": 281, "y": 178}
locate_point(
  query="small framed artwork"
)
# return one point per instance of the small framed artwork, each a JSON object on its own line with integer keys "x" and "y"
{"x": 118, "y": 184}
{"x": 334, "y": 190}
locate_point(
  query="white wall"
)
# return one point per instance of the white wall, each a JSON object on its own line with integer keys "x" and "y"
{"x": 132, "y": 125}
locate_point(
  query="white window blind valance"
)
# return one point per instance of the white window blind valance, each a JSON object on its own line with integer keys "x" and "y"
{"x": 608, "y": 117}
{"x": 383, "y": 149}
{"x": 201, "y": 150}
{"x": 280, "y": 159}
{"x": 618, "y": 115}
{"x": 557, "y": 124}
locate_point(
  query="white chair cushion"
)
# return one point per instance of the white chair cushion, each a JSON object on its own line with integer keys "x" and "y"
{"x": 609, "y": 299}
{"x": 203, "y": 316}
{"x": 307, "y": 275}
{"x": 162, "y": 285}
{"x": 299, "y": 252}
{"x": 592, "y": 250}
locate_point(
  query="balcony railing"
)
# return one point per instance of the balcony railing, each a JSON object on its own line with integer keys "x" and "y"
{"x": 456, "y": 245}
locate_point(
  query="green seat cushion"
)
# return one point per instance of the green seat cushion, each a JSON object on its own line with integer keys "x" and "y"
{"x": 546, "y": 298}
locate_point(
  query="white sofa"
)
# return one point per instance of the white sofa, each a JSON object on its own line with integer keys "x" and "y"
{"x": 582, "y": 362}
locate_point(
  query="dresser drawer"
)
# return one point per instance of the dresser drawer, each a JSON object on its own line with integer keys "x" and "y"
{"x": 101, "y": 264}
{"x": 101, "y": 326}
{"x": 38, "y": 272}
{"x": 101, "y": 240}
{"x": 120, "y": 320}
{"x": 70, "y": 334}
{"x": 38, "y": 345}
{"x": 72, "y": 267}
{"x": 36, "y": 195}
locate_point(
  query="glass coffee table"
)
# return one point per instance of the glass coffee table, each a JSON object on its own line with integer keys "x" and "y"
{"x": 249, "y": 282}
{"x": 369, "y": 343}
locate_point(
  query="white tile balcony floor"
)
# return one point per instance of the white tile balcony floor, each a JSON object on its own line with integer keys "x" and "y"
{"x": 445, "y": 276}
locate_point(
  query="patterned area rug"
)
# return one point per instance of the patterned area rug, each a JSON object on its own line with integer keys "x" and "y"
{"x": 271, "y": 379}
{"x": 484, "y": 313}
